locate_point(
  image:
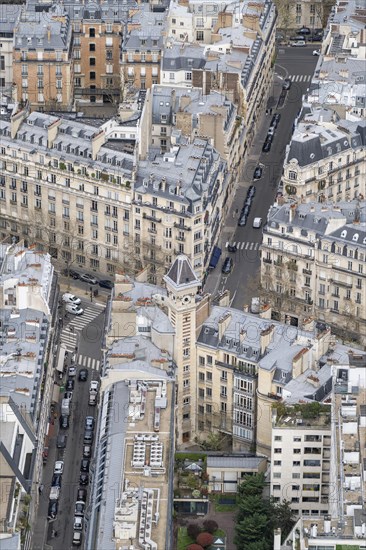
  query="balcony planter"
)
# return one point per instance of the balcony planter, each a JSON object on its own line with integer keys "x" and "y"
{"x": 62, "y": 166}
{"x": 93, "y": 175}
{"x": 104, "y": 177}
{"x": 128, "y": 184}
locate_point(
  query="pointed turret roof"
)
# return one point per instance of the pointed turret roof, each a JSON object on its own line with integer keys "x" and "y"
{"x": 181, "y": 274}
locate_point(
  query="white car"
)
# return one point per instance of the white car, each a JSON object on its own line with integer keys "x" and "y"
{"x": 74, "y": 309}
{"x": 257, "y": 222}
{"x": 72, "y": 371}
{"x": 70, "y": 299}
{"x": 94, "y": 386}
{"x": 59, "y": 467}
{"x": 78, "y": 523}
{"x": 316, "y": 52}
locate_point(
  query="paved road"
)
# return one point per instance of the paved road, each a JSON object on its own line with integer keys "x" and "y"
{"x": 89, "y": 355}
{"x": 298, "y": 64}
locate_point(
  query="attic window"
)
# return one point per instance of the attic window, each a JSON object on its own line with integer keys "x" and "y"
{"x": 344, "y": 234}
{"x": 345, "y": 143}
{"x": 355, "y": 237}
{"x": 312, "y": 156}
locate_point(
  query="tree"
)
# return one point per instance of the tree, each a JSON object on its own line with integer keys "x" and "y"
{"x": 193, "y": 530}
{"x": 286, "y": 19}
{"x": 252, "y": 485}
{"x": 210, "y": 525}
{"x": 204, "y": 539}
{"x": 251, "y": 529}
{"x": 283, "y": 517}
{"x": 252, "y": 504}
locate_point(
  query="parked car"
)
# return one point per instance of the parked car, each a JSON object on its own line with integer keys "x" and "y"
{"x": 251, "y": 191}
{"x": 83, "y": 375}
{"x": 286, "y": 84}
{"x": 266, "y": 146}
{"x": 79, "y": 508}
{"x": 68, "y": 395}
{"x": 70, "y": 299}
{"x": 61, "y": 441}
{"x": 70, "y": 383}
{"x": 276, "y": 119}
{"x": 74, "y": 309}
{"x": 316, "y": 52}
{"x": 84, "y": 465}
{"x": 87, "y": 451}
{"x": 64, "y": 422}
{"x": 88, "y": 437}
{"x": 56, "y": 480}
{"x": 54, "y": 493}
{"x": 94, "y": 386}
{"x": 271, "y": 131}
{"x": 81, "y": 495}
{"x": 84, "y": 479}
{"x": 89, "y": 423}
{"x": 242, "y": 220}
{"x": 78, "y": 523}
{"x": 227, "y": 266}
{"x": 246, "y": 210}
{"x": 257, "y": 222}
{"x": 52, "y": 509}
{"x": 72, "y": 371}
{"x": 59, "y": 467}
{"x": 77, "y": 538}
{"x": 304, "y": 30}
{"x": 71, "y": 273}
{"x": 298, "y": 43}
{"x": 248, "y": 201}
{"x": 88, "y": 279}
{"x": 232, "y": 248}
{"x": 104, "y": 283}
{"x": 258, "y": 171}
{"x": 93, "y": 399}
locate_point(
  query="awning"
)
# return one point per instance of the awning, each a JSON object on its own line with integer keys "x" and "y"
{"x": 61, "y": 358}
{"x": 56, "y": 394}
{"x": 216, "y": 253}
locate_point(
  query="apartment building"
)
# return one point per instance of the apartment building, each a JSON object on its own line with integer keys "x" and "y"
{"x": 28, "y": 303}
{"x": 142, "y": 47}
{"x": 300, "y": 458}
{"x": 177, "y": 205}
{"x": 42, "y": 58}
{"x": 9, "y": 17}
{"x": 346, "y": 518}
{"x": 313, "y": 265}
{"x": 172, "y": 110}
{"x": 307, "y": 13}
{"x": 66, "y": 189}
{"x": 97, "y": 37}
{"x": 228, "y": 50}
{"x": 325, "y": 160}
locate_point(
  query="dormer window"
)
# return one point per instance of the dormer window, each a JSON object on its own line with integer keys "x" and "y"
{"x": 292, "y": 175}
{"x": 344, "y": 234}
{"x": 355, "y": 237}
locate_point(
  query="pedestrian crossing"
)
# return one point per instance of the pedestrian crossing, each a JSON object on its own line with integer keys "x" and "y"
{"x": 300, "y": 77}
{"x": 245, "y": 245}
{"x": 69, "y": 334}
{"x": 88, "y": 362}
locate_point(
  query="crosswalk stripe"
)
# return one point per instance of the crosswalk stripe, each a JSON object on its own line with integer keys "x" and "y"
{"x": 88, "y": 362}
{"x": 246, "y": 245}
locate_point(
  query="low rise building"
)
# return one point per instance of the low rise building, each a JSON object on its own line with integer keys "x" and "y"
{"x": 313, "y": 265}
{"x": 226, "y": 472}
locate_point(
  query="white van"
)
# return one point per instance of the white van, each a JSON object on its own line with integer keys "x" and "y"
{"x": 257, "y": 222}
{"x": 76, "y": 538}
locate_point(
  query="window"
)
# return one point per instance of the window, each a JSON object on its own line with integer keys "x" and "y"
{"x": 278, "y": 437}
{"x": 92, "y": 75}
{"x": 277, "y": 462}
{"x": 92, "y": 61}
{"x": 199, "y": 35}
{"x": 92, "y": 33}
{"x": 92, "y": 47}
{"x": 201, "y": 376}
{"x": 201, "y": 393}
{"x": 292, "y": 175}
{"x": 223, "y": 407}
{"x": 278, "y": 450}
{"x": 223, "y": 391}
